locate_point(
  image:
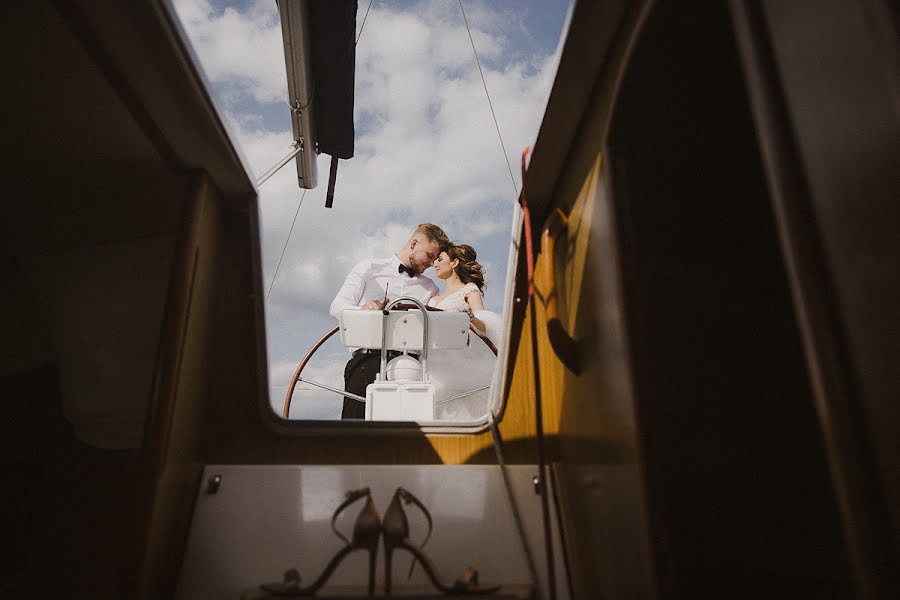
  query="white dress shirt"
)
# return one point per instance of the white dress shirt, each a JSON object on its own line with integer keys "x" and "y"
{"x": 369, "y": 279}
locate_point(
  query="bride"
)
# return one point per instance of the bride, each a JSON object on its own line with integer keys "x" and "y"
{"x": 458, "y": 371}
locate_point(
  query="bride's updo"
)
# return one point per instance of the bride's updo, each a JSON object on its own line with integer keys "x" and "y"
{"x": 468, "y": 270}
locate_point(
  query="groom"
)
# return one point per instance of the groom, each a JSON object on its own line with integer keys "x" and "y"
{"x": 365, "y": 288}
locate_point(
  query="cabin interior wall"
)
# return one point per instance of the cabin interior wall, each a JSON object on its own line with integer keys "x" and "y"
{"x": 831, "y": 142}
{"x": 25, "y": 333}
{"x": 66, "y": 506}
{"x": 90, "y": 199}
{"x": 740, "y": 497}
{"x": 90, "y": 213}
{"x": 104, "y": 318}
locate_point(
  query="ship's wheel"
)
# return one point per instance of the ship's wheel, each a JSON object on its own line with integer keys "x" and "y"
{"x": 298, "y": 372}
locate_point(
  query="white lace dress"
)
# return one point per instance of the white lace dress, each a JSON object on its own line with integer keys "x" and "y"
{"x": 456, "y": 371}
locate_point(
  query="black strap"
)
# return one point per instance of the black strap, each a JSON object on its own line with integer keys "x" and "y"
{"x": 332, "y": 176}
{"x": 352, "y": 496}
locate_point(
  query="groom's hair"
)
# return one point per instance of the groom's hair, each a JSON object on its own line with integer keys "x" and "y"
{"x": 434, "y": 234}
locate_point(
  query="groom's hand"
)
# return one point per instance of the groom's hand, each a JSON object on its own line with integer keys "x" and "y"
{"x": 373, "y": 305}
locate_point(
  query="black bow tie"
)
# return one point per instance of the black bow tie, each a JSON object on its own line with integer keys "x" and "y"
{"x": 404, "y": 269}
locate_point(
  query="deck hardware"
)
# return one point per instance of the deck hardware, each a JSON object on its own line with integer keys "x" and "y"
{"x": 296, "y": 148}
{"x": 215, "y": 482}
{"x": 536, "y": 482}
{"x": 571, "y": 352}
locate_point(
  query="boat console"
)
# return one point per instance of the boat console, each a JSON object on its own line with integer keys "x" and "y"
{"x": 402, "y": 390}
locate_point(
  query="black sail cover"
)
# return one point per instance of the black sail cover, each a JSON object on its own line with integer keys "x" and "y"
{"x": 333, "y": 49}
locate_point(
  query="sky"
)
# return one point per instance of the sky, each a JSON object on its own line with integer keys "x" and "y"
{"x": 426, "y": 150}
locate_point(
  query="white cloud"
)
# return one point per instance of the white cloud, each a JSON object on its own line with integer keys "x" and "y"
{"x": 243, "y": 48}
{"x": 426, "y": 146}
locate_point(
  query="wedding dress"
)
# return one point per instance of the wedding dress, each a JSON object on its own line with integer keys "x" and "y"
{"x": 456, "y": 371}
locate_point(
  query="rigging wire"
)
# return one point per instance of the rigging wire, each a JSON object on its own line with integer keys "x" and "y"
{"x": 511, "y": 498}
{"x": 280, "y": 258}
{"x": 495, "y": 430}
{"x": 493, "y": 114}
{"x": 538, "y": 408}
{"x": 361, "y": 27}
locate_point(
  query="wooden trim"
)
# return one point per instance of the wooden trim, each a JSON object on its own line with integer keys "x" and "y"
{"x": 175, "y": 322}
{"x": 173, "y": 338}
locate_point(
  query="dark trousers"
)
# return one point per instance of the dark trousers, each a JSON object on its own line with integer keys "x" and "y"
{"x": 360, "y": 371}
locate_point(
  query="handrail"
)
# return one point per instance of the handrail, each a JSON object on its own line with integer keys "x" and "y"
{"x": 566, "y": 348}
{"x": 386, "y": 311}
{"x": 300, "y": 367}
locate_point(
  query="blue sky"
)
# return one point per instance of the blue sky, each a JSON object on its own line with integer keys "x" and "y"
{"x": 426, "y": 149}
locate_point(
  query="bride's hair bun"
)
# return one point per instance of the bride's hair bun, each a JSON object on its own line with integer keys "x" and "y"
{"x": 468, "y": 270}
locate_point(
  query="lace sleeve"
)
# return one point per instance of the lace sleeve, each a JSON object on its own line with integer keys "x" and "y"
{"x": 469, "y": 289}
